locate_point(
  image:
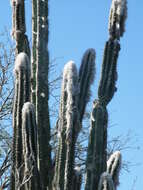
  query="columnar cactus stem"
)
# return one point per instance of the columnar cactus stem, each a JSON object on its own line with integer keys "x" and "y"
{"x": 71, "y": 108}
{"x": 67, "y": 122}
{"x": 117, "y": 18}
{"x": 29, "y": 138}
{"x": 22, "y": 94}
{"x": 34, "y": 50}
{"x": 19, "y": 27}
{"x": 86, "y": 78}
{"x": 96, "y": 158}
{"x": 77, "y": 179}
{"x": 72, "y": 119}
{"x": 114, "y": 166}
{"x": 106, "y": 182}
{"x": 42, "y": 93}
{"x": 107, "y": 83}
{"x": 106, "y": 90}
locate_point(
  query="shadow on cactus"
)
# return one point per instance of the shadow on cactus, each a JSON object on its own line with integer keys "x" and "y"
{"x": 31, "y": 123}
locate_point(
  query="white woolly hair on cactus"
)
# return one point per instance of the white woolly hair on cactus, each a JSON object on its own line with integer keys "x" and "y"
{"x": 22, "y": 62}
{"x": 77, "y": 170}
{"x": 28, "y": 107}
{"x": 106, "y": 182}
{"x": 68, "y": 70}
{"x": 70, "y": 77}
{"x": 117, "y": 17}
{"x": 114, "y": 166}
{"x": 15, "y": 2}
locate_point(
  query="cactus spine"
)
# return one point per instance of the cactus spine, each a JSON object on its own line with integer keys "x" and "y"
{"x": 31, "y": 139}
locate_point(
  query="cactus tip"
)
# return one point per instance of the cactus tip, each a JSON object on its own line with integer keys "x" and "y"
{"x": 117, "y": 18}
{"x": 27, "y": 106}
{"x": 22, "y": 62}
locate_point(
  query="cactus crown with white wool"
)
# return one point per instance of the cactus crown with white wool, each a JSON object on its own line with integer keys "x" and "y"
{"x": 117, "y": 18}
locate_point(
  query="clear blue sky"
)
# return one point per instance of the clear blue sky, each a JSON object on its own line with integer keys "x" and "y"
{"x": 78, "y": 25}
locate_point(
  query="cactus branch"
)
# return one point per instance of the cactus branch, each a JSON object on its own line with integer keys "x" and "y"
{"x": 96, "y": 157}
{"x": 22, "y": 94}
{"x": 117, "y": 18}
{"x": 19, "y": 27}
{"x": 114, "y": 166}
{"x": 106, "y": 182}
{"x": 42, "y": 93}
{"x": 86, "y": 78}
{"x": 72, "y": 119}
{"x": 34, "y": 50}
{"x": 77, "y": 179}
{"x": 29, "y": 137}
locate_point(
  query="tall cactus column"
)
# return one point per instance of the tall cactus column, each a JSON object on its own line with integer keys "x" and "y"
{"x": 68, "y": 118}
{"x": 29, "y": 142}
{"x": 22, "y": 94}
{"x": 74, "y": 97}
{"x": 42, "y": 94}
{"x": 96, "y": 158}
{"x": 34, "y": 51}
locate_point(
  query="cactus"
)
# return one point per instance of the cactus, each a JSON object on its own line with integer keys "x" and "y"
{"x": 19, "y": 27}
{"x": 29, "y": 138}
{"x": 96, "y": 157}
{"x": 77, "y": 179}
{"x": 67, "y": 120}
{"x": 106, "y": 182}
{"x": 42, "y": 93}
{"x": 114, "y": 166}
{"x": 86, "y": 78}
{"x": 22, "y": 94}
{"x": 31, "y": 158}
